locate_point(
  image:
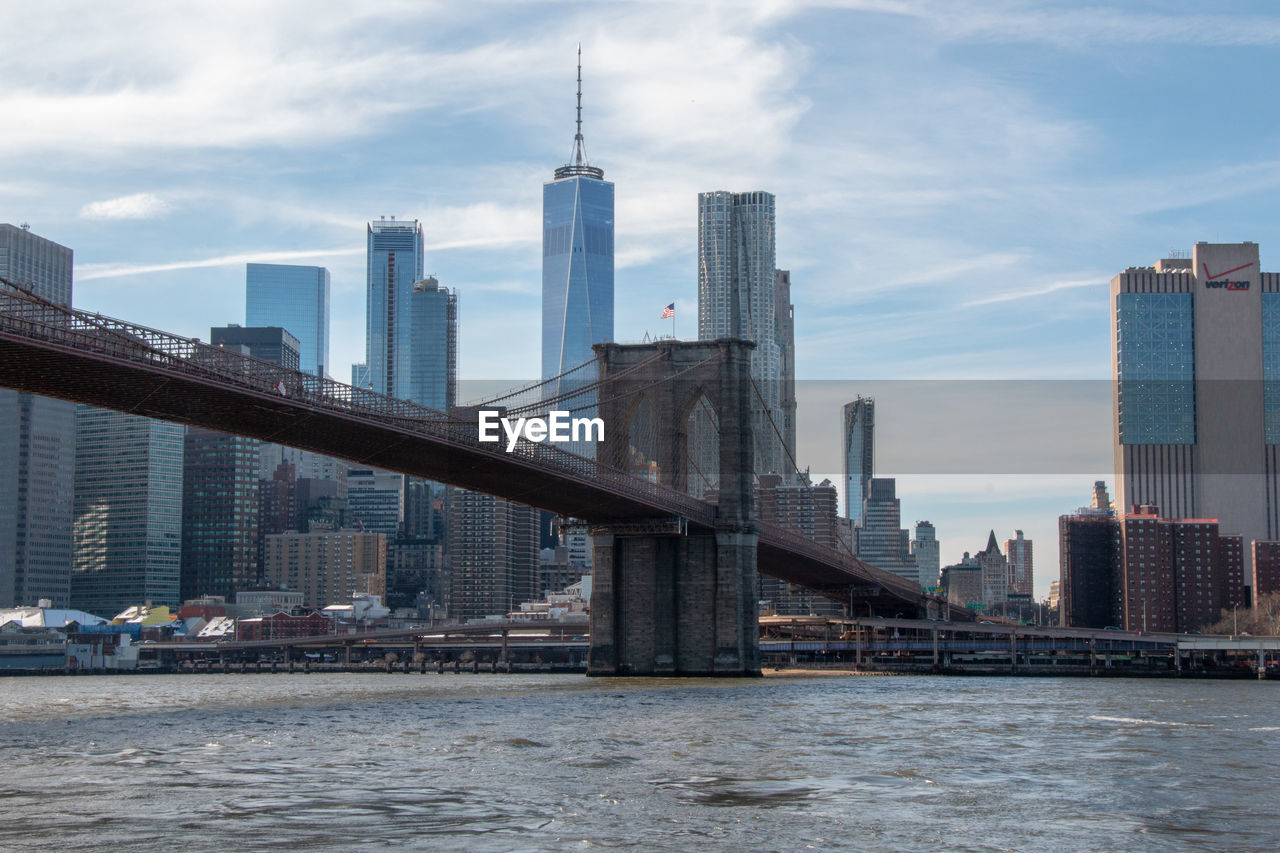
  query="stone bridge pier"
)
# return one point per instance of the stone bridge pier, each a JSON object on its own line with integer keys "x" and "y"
{"x": 667, "y": 600}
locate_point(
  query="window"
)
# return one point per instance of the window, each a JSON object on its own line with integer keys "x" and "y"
{"x": 1156, "y": 368}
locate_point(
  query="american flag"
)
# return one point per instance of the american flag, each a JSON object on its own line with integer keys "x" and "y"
{"x": 668, "y": 312}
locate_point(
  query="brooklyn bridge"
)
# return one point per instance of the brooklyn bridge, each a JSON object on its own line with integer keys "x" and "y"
{"x": 668, "y": 495}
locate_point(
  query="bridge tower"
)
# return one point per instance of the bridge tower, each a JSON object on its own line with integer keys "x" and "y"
{"x": 667, "y": 600}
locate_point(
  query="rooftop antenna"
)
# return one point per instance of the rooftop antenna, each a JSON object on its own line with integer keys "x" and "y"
{"x": 578, "y": 163}
{"x": 578, "y": 153}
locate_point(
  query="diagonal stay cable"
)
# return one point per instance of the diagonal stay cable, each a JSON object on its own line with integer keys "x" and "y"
{"x": 585, "y": 389}
{"x": 776, "y": 431}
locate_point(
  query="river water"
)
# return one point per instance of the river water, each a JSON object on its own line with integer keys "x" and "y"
{"x": 498, "y": 762}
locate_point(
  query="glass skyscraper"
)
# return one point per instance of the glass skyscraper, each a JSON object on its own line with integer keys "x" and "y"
{"x": 411, "y": 349}
{"x": 882, "y": 541}
{"x": 1156, "y": 368}
{"x": 737, "y": 277}
{"x": 37, "y": 448}
{"x": 433, "y": 345}
{"x": 859, "y": 454}
{"x": 395, "y": 263}
{"x": 295, "y": 298}
{"x": 128, "y": 511}
{"x": 577, "y": 260}
{"x": 360, "y": 376}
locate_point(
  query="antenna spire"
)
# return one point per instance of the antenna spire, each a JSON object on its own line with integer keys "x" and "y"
{"x": 577, "y": 140}
{"x": 578, "y": 165}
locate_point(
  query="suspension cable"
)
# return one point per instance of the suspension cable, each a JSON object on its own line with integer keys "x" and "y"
{"x": 776, "y": 431}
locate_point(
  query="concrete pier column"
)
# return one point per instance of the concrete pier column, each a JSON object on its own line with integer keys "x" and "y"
{"x": 669, "y": 597}
{"x": 663, "y": 603}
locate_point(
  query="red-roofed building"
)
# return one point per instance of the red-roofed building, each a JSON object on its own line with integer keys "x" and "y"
{"x": 282, "y": 626}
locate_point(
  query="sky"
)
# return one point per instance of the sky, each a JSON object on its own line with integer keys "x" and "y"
{"x": 956, "y": 181}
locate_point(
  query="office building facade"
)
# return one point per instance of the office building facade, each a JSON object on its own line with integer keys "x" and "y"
{"x": 395, "y": 263}
{"x": 433, "y": 345}
{"x": 128, "y": 511}
{"x": 37, "y": 448}
{"x": 492, "y": 559}
{"x": 375, "y": 500}
{"x": 1019, "y": 552}
{"x": 995, "y": 573}
{"x": 270, "y": 343}
{"x": 737, "y": 277}
{"x": 962, "y": 583}
{"x": 219, "y": 514}
{"x": 882, "y": 541}
{"x": 328, "y": 566}
{"x": 295, "y": 298}
{"x": 415, "y": 572}
{"x": 804, "y": 508}
{"x": 858, "y": 454}
{"x": 926, "y": 551}
{"x": 1196, "y": 369}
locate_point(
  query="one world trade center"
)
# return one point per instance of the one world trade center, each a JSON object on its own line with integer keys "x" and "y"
{"x": 577, "y": 263}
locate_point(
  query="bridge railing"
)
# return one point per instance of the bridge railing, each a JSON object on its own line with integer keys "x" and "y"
{"x": 28, "y": 317}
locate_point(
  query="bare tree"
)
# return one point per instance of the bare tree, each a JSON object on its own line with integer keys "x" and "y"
{"x": 1261, "y": 619}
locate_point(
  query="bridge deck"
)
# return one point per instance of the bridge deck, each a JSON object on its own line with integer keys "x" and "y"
{"x": 86, "y": 358}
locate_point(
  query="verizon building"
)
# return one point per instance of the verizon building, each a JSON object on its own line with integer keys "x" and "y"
{"x": 1196, "y": 428}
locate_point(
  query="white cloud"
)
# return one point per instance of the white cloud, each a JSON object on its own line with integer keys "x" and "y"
{"x": 531, "y": 287}
{"x": 85, "y": 272}
{"x": 1012, "y": 21}
{"x": 483, "y": 224}
{"x": 136, "y": 206}
{"x": 234, "y": 76}
{"x": 1092, "y": 26}
{"x": 1042, "y": 290}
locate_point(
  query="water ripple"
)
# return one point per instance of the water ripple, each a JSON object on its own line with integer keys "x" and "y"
{"x": 493, "y": 762}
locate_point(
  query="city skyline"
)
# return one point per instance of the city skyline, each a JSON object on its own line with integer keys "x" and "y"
{"x": 915, "y": 225}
